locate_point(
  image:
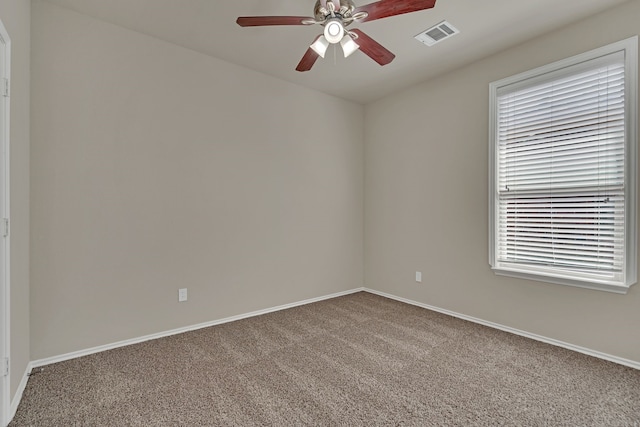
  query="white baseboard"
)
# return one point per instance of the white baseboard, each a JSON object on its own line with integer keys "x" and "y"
{"x": 86, "y": 352}
{"x": 18, "y": 396}
{"x": 587, "y": 351}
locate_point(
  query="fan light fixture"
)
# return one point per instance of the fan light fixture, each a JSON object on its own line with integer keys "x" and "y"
{"x": 320, "y": 46}
{"x": 333, "y": 31}
{"x": 348, "y": 45}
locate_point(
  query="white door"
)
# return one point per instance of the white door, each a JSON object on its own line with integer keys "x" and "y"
{"x": 4, "y": 225}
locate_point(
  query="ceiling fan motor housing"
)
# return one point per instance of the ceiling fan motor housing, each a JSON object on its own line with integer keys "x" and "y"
{"x": 346, "y": 9}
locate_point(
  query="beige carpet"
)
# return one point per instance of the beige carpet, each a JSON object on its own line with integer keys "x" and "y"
{"x": 358, "y": 360}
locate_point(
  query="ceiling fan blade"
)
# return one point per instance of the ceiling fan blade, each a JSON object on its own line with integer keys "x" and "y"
{"x": 373, "y": 49}
{"x": 387, "y": 8}
{"x": 310, "y": 57}
{"x": 259, "y": 21}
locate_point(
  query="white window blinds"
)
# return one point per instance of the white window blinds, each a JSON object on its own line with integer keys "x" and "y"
{"x": 560, "y": 162}
{"x": 561, "y": 172}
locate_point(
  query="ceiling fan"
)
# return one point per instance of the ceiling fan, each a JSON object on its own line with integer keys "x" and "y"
{"x": 335, "y": 16}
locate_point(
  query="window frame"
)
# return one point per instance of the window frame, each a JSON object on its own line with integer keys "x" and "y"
{"x": 562, "y": 276}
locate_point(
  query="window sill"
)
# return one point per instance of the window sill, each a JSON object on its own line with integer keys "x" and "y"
{"x": 618, "y": 289}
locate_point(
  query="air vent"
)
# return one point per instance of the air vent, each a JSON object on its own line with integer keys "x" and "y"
{"x": 437, "y": 33}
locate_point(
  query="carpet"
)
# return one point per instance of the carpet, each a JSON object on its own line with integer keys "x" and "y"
{"x": 357, "y": 360}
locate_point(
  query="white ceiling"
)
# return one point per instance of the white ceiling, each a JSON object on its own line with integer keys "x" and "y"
{"x": 208, "y": 26}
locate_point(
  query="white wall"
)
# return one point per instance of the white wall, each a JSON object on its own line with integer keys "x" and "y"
{"x": 15, "y": 16}
{"x": 426, "y": 202}
{"x": 155, "y": 168}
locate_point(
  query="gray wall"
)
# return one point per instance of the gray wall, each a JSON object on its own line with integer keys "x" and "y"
{"x": 155, "y": 168}
{"x": 426, "y": 201}
{"x": 15, "y": 16}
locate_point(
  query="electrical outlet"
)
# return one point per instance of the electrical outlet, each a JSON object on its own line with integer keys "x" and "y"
{"x": 182, "y": 295}
{"x": 419, "y": 276}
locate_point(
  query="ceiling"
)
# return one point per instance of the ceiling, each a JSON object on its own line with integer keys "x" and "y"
{"x": 208, "y": 26}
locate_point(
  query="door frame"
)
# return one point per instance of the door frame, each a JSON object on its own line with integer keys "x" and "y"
{"x": 5, "y": 305}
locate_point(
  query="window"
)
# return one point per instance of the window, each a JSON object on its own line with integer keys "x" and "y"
{"x": 563, "y": 171}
